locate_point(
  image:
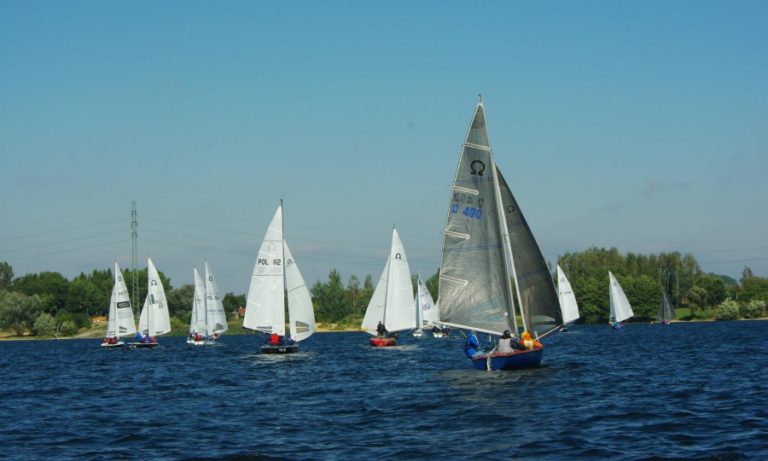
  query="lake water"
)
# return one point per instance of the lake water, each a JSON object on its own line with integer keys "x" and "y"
{"x": 684, "y": 391}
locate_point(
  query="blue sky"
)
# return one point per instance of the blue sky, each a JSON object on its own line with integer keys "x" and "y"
{"x": 639, "y": 125}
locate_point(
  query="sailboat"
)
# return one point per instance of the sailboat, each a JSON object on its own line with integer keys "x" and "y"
{"x": 197, "y": 324}
{"x": 426, "y": 314}
{"x": 270, "y": 280}
{"x": 621, "y": 310}
{"x": 568, "y": 306}
{"x": 120, "y": 318}
{"x": 666, "y": 311}
{"x": 391, "y": 304}
{"x": 154, "y": 319}
{"x": 492, "y": 269}
{"x": 215, "y": 316}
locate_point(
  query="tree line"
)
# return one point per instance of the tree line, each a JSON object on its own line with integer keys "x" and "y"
{"x": 46, "y": 303}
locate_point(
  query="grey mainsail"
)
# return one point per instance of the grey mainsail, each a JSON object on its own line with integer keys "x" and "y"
{"x": 666, "y": 311}
{"x": 475, "y": 289}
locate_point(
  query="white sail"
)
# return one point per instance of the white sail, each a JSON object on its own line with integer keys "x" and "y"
{"x": 425, "y": 305}
{"x": 197, "y": 320}
{"x": 568, "y": 305}
{"x": 620, "y": 308}
{"x": 154, "y": 319}
{"x": 301, "y": 315}
{"x": 121, "y": 322}
{"x": 216, "y": 318}
{"x": 396, "y": 310}
{"x": 374, "y": 313}
{"x": 265, "y": 306}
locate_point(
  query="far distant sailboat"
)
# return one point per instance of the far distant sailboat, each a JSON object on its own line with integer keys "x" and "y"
{"x": 391, "y": 308}
{"x": 197, "y": 326}
{"x": 154, "y": 320}
{"x": 666, "y": 311}
{"x": 568, "y": 305}
{"x": 621, "y": 310}
{"x": 426, "y": 314}
{"x": 120, "y": 318}
{"x": 271, "y": 280}
{"x": 215, "y": 316}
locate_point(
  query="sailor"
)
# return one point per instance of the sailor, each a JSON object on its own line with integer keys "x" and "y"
{"x": 471, "y": 345}
{"x": 530, "y": 343}
{"x": 381, "y": 330}
{"x": 274, "y": 339}
{"x": 505, "y": 343}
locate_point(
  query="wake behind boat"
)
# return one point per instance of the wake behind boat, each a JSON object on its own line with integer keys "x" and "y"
{"x": 490, "y": 259}
{"x": 272, "y": 282}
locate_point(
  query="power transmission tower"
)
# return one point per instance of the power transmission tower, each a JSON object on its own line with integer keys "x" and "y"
{"x": 134, "y": 253}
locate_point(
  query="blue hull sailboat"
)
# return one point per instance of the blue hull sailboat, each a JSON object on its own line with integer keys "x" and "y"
{"x": 492, "y": 269}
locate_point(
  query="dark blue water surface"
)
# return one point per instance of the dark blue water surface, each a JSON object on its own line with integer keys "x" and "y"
{"x": 684, "y": 391}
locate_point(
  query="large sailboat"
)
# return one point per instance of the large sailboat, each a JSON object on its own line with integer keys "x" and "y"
{"x": 568, "y": 306}
{"x": 492, "y": 270}
{"x": 391, "y": 308}
{"x": 666, "y": 311}
{"x": 154, "y": 319}
{"x": 621, "y": 310}
{"x": 120, "y": 321}
{"x": 270, "y": 281}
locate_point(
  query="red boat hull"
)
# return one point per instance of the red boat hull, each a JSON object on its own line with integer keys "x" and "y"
{"x": 378, "y": 341}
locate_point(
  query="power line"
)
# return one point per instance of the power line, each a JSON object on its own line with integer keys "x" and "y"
{"x": 84, "y": 226}
{"x": 85, "y": 237}
{"x": 70, "y": 250}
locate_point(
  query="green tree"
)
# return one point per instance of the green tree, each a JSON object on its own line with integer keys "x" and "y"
{"x": 45, "y": 325}
{"x": 84, "y": 296}
{"x": 753, "y": 309}
{"x": 714, "y": 286}
{"x": 232, "y": 302}
{"x": 331, "y": 300}
{"x": 180, "y": 301}
{"x": 6, "y": 275}
{"x": 753, "y": 287}
{"x": 52, "y": 288}
{"x": 727, "y": 310}
{"x": 18, "y": 311}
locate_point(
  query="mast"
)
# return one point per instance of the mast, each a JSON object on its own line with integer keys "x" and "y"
{"x": 389, "y": 278}
{"x": 134, "y": 255}
{"x": 508, "y": 255}
{"x": 283, "y": 292}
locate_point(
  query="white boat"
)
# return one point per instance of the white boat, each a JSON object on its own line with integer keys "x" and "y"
{"x": 392, "y": 301}
{"x": 197, "y": 323}
{"x": 492, "y": 269}
{"x": 621, "y": 310}
{"x": 270, "y": 280}
{"x": 120, "y": 321}
{"x": 426, "y": 314}
{"x": 154, "y": 320}
{"x": 568, "y": 306}
{"x": 215, "y": 316}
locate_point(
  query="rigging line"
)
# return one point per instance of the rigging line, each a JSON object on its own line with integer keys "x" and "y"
{"x": 70, "y": 250}
{"x": 61, "y": 230}
{"x": 734, "y": 249}
{"x": 85, "y": 237}
{"x": 195, "y": 226}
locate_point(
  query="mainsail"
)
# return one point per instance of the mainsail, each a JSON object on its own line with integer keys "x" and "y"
{"x": 620, "y": 308}
{"x": 120, "y": 321}
{"x": 425, "y": 306}
{"x": 216, "y": 318}
{"x": 265, "y": 307}
{"x": 568, "y": 305}
{"x": 197, "y": 320}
